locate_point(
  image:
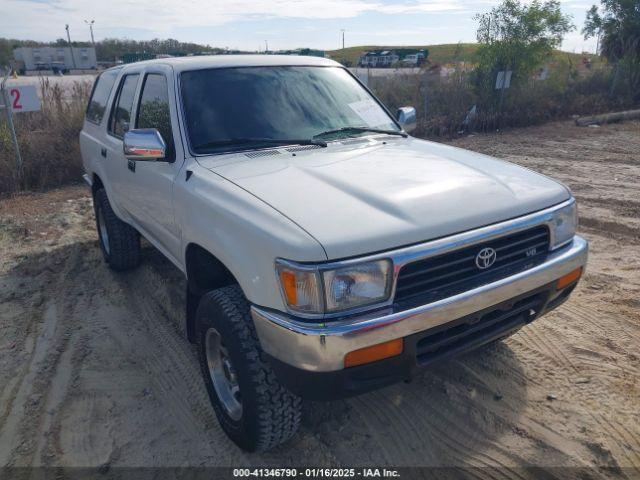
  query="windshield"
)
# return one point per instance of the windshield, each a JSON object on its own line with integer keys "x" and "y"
{"x": 276, "y": 103}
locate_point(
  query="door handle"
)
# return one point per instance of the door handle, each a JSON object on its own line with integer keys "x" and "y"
{"x": 103, "y": 152}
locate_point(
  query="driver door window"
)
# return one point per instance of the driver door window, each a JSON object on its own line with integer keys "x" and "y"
{"x": 153, "y": 110}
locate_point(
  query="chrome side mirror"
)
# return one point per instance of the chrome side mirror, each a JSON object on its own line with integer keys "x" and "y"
{"x": 144, "y": 144}
{"x": 407, "y": 118}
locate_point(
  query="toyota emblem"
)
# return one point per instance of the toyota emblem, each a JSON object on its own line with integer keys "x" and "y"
{"x": 485, "y": 258}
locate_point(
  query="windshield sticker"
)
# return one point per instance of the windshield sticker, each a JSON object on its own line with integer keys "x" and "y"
{"x": 370, "y": 112}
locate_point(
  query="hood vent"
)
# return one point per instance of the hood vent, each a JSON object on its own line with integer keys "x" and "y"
{"x": 262, "y": 153}
{"x": 303, "y": 147}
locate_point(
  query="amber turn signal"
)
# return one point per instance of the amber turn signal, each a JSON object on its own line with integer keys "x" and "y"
{"x": 288, "y": 280}
{"x": 374, "y": 353}
{"x": 569, "y": 278}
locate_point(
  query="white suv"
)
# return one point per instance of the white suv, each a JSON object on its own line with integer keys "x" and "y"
{"x": 327, "y": 252}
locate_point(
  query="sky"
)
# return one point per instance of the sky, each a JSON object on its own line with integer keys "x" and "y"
{"x": 249, "y": 24}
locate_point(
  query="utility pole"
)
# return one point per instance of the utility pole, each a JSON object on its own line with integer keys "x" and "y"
{"x": 342, "y": 30}
{"x": 266, "y": 47}
{"x": 73, "y": 58}
{"x": 90, "y": 23}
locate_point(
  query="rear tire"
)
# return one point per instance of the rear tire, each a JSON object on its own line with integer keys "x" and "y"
{"x": 119, "y": 241}
{"x": 253, "y": 408}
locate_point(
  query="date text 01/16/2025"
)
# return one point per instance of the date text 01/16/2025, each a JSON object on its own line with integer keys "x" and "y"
{"x": 316, "y": 472}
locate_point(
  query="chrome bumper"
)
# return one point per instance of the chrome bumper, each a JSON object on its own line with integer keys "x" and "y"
{"x": 321, "y": 347}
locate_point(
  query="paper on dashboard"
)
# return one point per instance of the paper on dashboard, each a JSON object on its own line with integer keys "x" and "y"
{"x": 370, "y": 112}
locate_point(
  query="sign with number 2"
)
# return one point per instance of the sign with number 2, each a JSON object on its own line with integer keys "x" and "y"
{"x": 23, "y": 98}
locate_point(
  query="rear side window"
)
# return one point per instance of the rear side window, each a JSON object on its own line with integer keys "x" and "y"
{"x": 100, "y": 96}
{"x": 120, "y": 120}
{"x": 153, "y": 111}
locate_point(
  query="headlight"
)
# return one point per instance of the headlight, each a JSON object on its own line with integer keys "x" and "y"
{"x": 357, "y": 285}
{"x": 318, "y": 290}
{"x": 564, "y": 224}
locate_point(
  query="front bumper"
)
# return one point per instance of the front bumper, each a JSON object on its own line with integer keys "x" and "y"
{"x": 321, "y": 348}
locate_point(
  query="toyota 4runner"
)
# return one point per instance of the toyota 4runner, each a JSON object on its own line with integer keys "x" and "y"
{"x": 327, "y": 252}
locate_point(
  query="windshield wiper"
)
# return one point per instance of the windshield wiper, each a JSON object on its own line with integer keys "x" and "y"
{"x": 259, "y": 141}
{"x": 361, "y": 129}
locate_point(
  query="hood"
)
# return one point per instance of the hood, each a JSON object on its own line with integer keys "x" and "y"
{"x": 369, "y": 195}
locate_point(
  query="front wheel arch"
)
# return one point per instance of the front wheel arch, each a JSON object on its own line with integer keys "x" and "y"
{"x": 205, "y": 272}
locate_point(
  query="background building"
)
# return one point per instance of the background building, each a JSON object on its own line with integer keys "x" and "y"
{"x": 386, "y": 58}
{"x": 378, "y": 58}
{"x": 55, "y": 58}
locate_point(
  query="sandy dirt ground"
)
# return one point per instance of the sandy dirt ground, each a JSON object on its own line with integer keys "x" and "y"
{"x": 95, "y": 371}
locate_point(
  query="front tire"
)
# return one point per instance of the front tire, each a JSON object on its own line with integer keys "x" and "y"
{"x": 253, "y": 408}
{"x": 119, "y": 241}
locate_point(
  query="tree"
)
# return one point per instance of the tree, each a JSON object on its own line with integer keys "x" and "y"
{"x": 7, "y": 45}
{"x": 518, "y": 37}
{"x": 617, "y": 27}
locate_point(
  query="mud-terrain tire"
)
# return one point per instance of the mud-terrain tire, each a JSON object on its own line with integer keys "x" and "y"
{"x": 269, "y": 414}
{"x": 119, "y": 241}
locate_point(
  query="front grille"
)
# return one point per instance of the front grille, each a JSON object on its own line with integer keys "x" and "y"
{"x": 451, "y": 273}
{"x": 478, "y": 329}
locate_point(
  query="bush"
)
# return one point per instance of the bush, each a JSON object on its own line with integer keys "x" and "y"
{"x": 48, "y": 140}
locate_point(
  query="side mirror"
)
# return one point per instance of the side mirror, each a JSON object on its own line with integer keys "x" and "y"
{"x": 407, "y": 118}
{"x": 144, "y": 144}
